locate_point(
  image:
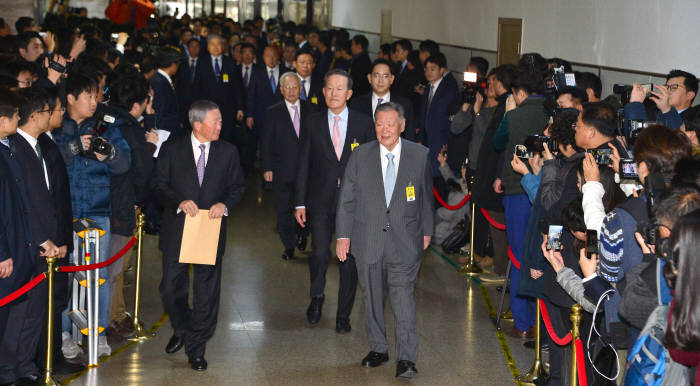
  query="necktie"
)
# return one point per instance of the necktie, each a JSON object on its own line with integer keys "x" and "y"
{"x": 192, "y": 68}
{"x": 296, "y": 122}
{"x": 201, "y": 164}
{"x": 303, "y": 90}
{"x": 336, "y": 137}
{"x": 217, "y": 70}
{"x": 5, "y": 141}
{"x": 272, "y": 81}
{"x": 246, "y": 77}
{"x": 390, "y": 179}
{"x": 431, "y": 94}
{"x": 41, "y": 159}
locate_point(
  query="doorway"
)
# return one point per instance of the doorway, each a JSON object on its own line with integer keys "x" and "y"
{"x": 510, "y": 33}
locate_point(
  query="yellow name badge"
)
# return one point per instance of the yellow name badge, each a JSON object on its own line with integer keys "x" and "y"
{"x": 225, "y": 77}
{"x": 354, "y": 144}
{"x": 410, "y": 193}
{"x": 314, "y": 100}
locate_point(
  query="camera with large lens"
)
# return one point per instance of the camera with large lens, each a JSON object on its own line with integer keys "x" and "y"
{"x": 636, "y": 127}
{"x": 535, "y": 143}
{"x": 472, "y": 85}
{"x": 98, "y": 144}
{"x": 558, "y": 81}
{"x": 654, "y": 188}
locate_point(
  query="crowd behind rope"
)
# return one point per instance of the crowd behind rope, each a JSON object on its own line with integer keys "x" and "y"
{"x": 606, "y": 197}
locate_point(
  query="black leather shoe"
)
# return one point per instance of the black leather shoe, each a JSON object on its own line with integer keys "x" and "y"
{"x": 32, "y": 379}
{"x": 65, "y": 368}
{"x": 174, "y": 344}
{"x": 198, "y": 363}
{"x": 406, "y": 369}
{"x": 342, "y": 326}
{"x": 301, "y": 241}
{"x": 374, "y": 359}
{"x": 288, "y": 254}
{"x": 313, "y": 313}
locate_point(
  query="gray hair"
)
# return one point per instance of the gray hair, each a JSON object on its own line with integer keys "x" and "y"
{"x": 390, "y": 106}
{"x": 199, "y": 109}
{"x": 338, "y": 71}
{"x": 289, "y": 74}
{"x": 216, "y": 36}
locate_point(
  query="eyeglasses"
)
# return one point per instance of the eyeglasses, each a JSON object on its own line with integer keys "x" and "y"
{"x": 26, "y": 83}
{"x": 674, "y": 86}
{"x": 573, "y": 126}
{"x": 290, "y": 87}
{"x": 377, "y": 75}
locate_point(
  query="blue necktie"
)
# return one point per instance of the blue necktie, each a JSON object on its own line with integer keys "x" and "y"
{"x": 217, "y": 70}
{"x": 390, "y": 179}
{"x": 272, "y": 81}
{"x": 303, "y": 90}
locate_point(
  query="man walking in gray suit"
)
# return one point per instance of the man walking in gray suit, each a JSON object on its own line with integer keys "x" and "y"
{"x": 385, "y": 209}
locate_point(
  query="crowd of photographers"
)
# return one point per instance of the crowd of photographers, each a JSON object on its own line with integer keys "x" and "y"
{"x": 594, "y": 194}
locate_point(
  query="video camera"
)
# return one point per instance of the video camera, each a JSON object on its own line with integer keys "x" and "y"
{"x": 534, "y": 143}
{"x": 559, "y": 81}
{"x": 472, "y": 85}
{"x": 635, "y": 127}
{"x": 625, "y": 90}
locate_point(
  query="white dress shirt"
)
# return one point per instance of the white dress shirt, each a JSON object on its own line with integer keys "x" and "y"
{"x": 275, "y": 72}
{"x": 165, "y": 74}
{"x": 375, "y": 101}
{"x": 383, "y": 151}
{"x": 197, "y": 152}
{"x": 245, "y": 67}
{"x": 32, "y": 142}
{"x": 213, "y": 64}
{"x": 291, "y": 110}
{"x": 307, "y": 84}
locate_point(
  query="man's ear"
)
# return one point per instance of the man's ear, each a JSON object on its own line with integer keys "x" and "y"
{"x": 70, "y": 99}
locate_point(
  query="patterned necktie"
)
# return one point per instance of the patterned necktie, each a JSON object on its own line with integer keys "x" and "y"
{"x": 201, "y": 164}
{"x": 296, "y": 122}
{"x": 192, "y": 67}
{"x": 389, "y": 179}
{"x": 217, "y": 70}
{"x": 336, "y": 137}
{"x": 272, "y": 81}
{"x": 303, "y": 90}
{"x": 431, "y": 94}
{"x": 246, "y": 77}
{"x": 41, "y": 159}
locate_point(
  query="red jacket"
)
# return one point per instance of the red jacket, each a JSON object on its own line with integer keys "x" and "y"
{"x": 121, "y": 12}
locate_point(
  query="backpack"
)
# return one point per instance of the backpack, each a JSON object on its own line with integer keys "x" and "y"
{"x": 457, "y": 239}
{"x": 649, "y": 362}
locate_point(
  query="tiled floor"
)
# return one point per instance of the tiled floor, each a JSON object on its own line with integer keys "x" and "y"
{"x": 263, "y": 337}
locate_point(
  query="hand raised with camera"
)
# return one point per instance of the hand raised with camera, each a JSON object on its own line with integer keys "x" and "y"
{"x": 442, "y": 158}
{"x": 554, "y": 257}
{"x": 52, "y": 75}
{"x": 79, "y": 45}
{"x": 646, "y": 248}
{"x": 478, "y": 102}
{"x": 519, "y": 166}
{"x": 638, "y": 93}
{"x": 536, "y": 163}
{"x": 661, "y": 97}
{"x": 122, "y": 37}
{"x": 510, "y": 103}
{"x": 614, "y": 158}
{"x": 49, "y": 41}
{"x": 588, "y": 266}
{"x": 546, "y": 153}
{"x": 590, "y": 168}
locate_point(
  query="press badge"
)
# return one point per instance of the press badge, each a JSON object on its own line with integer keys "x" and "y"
{"x": 314, "y": 100}
{"x": 354, "y": 144}
{"x": 410, "y": 192}
{"x": 225, "y": 77}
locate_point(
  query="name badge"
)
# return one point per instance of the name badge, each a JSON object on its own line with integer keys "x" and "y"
{"x": 410, "y": 192}
{"x": 354, "y": 144}
{"x": 314, "y": 100}
{"x": 224, "y": 77}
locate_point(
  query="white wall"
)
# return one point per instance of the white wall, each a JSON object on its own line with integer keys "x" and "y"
{"x": 642, "y": 35}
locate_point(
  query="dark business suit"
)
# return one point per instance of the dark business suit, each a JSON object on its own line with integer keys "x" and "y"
{"x": 363, "y": 104}
{"x": 185, "y": 88}
{"x": 360, "y": 66}
{"x": 166, "y": 106}
{"x": 387, "y": 241}
{"x": 406, "y": 80}
{"x": 280, "y": 151}
{"x": 175, "y": 180}
{"x": 226, "y": 92}
{"x": 318, "y": 176}
{"x": 315, "y": 94}
{"x": 434, "y": 120}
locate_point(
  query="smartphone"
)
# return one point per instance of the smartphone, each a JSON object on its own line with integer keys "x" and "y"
{"x": 42, "y": 34}
{"x": 601, "y": 156}
{"x": 628, "y": 169}
{"x": 648, "y": 87}
{"x": 522, "y": 152}
{"x": 554, "y": 237}
{"x": 591, "y": 243}
{"x": 470, "y": 77}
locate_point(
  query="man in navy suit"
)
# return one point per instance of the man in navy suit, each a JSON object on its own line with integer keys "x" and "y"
{"x": 164, "y": 97}
{"x": 311, "y": 86}
{"x": 439, "y": 101}
{"x": 263, "y": 91}
{"x": 185, "y": 79}
{"x": 216, "y": 79}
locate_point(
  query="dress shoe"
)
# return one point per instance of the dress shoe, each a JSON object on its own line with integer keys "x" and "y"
{"x": 374, "y": 359}
{"x": 515, "y": 333}
{"x": 406, "y": 369}
{"x": 288, "y": 254}
{"x": 31, "y": 379}
{"x": 301, "y": 241}
{"x": 198, "y": 363}
{"x": 64, "y": 367}
{"x": 313, "y": 313}
{"x": 342, "y": 326}
{"x": 174, "y": 344}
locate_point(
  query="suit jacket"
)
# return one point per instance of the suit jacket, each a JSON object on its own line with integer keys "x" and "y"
{"x": 363, "y": 215}
{"x": 405, "y": 82}
{"x": 315, "y": 94}
{"x": 434, "y": 121}
{"x": 60, "y": 192}
{"x": 175, "y": 180}
{"x": 227, "y": 92}
{"x": 319, "y": 169}
{"x": 41, "y": 209}
{"x": 280, "y": 145}
{"x": 185, "y": 89}
{"x": 360, "y": 66}
{"x": 260, "y": 95}
{"x": 363, "y": 104}
{"x": 166, "y": 106}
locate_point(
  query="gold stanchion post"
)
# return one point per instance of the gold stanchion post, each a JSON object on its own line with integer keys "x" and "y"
{"x": 139, "y": 332}
{"x": 470, "y": 268}
{"x": 537, "y": 371}
{"x": 575, "y": 334}
{"x": 48, "y": 377}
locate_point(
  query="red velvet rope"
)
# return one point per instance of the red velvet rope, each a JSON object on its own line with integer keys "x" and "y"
{"x": 512, "y": 258}
{"x": 88, "y": 267}
{"x": 499, "y": 226}
{"x": 580, "y": 362}
{"x": 550, "y": 330}
{"x": 451, "y": 207}
{"x": 22, "y": 290}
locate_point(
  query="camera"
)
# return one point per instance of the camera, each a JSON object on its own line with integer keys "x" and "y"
{"x": 601, "y": 156}
{"x": 522, "y": 152}
{"x": 535, "y": 143}
{"x": 98, "y": 144}
{"x": 591, "y": 243}
{"x": 628, "y": 169}
{"x": 654, "y": 188}
{"x": 624, "y": 91}
{"x": 558, "y": 82}
{"x": 636, "y": 126}
{"x": 554, "y": 237}
{"x": 472, "y": 85}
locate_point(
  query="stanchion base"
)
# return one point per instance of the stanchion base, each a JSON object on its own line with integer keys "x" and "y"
{"x": 140, "y": 333}
{"x": 470, "y": 269}
{"x": 49, "y": 381}
{"x": 536, "y": 373}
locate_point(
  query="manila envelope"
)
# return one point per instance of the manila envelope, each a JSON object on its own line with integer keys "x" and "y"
{"x": 200, "y": 239}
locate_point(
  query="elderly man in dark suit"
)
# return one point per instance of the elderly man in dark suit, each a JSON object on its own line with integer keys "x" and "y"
{"x": 381, "y": 78}
{"x": 280, "y": 151}
{"x": 193, "y": 172}
{"x": 385, "y": 220}
{"x": 328, "y": 139}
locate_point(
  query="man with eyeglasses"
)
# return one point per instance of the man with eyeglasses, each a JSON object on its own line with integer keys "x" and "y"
{"x": 381, "y": 78}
